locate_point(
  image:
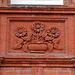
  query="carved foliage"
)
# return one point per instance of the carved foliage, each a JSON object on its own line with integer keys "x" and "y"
{"x": 38, "y": 41}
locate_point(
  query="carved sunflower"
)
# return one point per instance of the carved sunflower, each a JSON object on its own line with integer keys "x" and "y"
{"x": 20, "y": 32}
{"x": 37, "y": 27}
{"x": 52, "y": 33}
{"x": 55, "y": 32}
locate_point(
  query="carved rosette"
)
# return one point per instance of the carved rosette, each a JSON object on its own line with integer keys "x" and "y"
{"x": 37, "y": 41}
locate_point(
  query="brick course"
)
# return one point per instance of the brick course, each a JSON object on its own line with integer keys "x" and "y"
{"x": 59, "y": 71}
{"x": 15, "y": 71}
{"x": 36, "y": 71}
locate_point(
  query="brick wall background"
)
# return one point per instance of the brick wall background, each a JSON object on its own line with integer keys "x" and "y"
{"x": 30, "y": 71}
{"x": 59, "y": 71}
{"x": 15, "y": 71}
{"x": 36, "y": 70}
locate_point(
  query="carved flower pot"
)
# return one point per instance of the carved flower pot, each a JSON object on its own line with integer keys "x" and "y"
{"x": 37, "y": 47}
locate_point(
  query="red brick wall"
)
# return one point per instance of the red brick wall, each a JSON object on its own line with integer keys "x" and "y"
{"x": 15, "y": 71}
{"x": 32, "y": 71}
{"x": 59, "y": 71}
{"x": 38, "y": 70}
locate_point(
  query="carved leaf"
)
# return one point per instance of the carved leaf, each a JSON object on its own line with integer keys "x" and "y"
{"x": 17, "y": 46}
{"x": 56, "y": 46}
{"x": 18, "y": 40}
{"x": 26, "y": 38}
{"x": 56, "y": 41}
{"x": 47, "y": 38}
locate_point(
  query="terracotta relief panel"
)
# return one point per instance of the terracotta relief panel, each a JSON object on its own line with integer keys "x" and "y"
{"x": 41, "y": 36}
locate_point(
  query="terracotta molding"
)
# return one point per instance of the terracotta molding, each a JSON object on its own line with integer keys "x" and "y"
{"x": 1, "y": 59}
{"x": 73, "y": 59}
{"x": 52, "y": 62}
{"x": 53, "y": 10}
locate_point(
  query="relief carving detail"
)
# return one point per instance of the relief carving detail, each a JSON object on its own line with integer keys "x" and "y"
{"x": 40, "y": 39}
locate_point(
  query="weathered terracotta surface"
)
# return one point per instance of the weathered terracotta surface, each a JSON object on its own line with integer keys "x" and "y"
{"x": 37, "y": 40}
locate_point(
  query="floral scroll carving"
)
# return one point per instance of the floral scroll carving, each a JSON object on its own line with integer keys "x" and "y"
{"x": 40, "y": 40}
